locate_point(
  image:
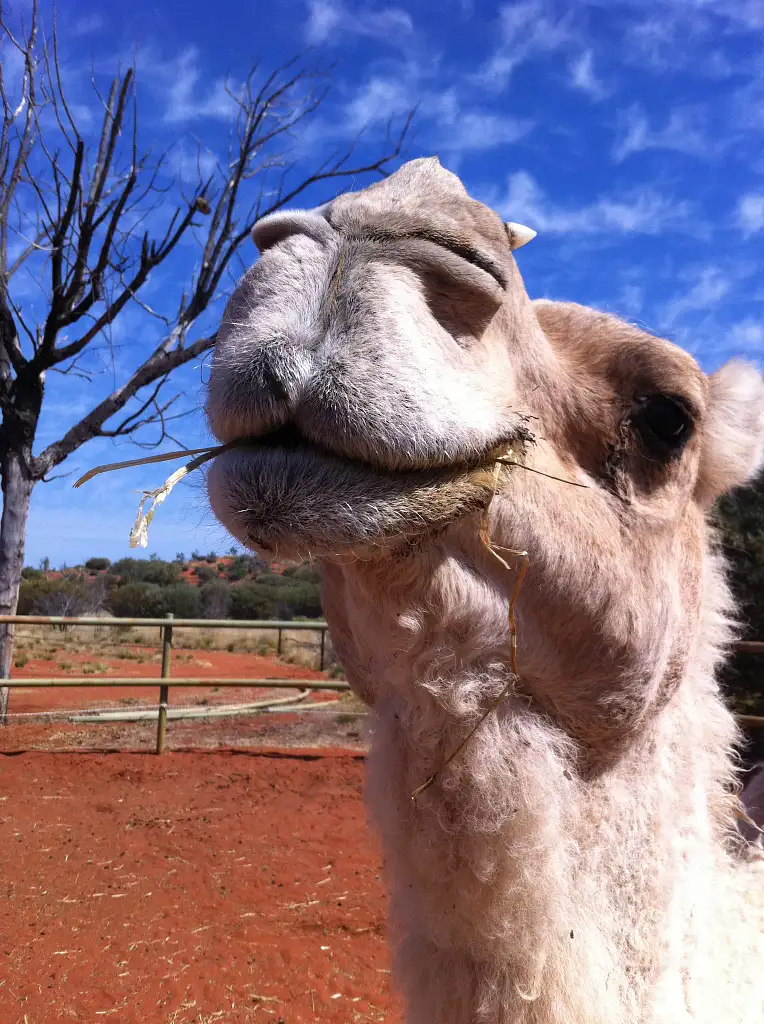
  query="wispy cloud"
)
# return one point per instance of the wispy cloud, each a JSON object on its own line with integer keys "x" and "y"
{"x": 190, "y": 164}
{"x": 379, "y": 99}
{"x": 750, "y": 213}
{"x": 747, "y": 337}
{"x": 448, "y": 122}
{"x": 86, "y": 25}
{"x": 583, "y": 77}
{"x": 638, "y": 211}
{"x": 182, "y": 85}
{"x": 683, "y": 132}
{"x": 710, "y": 286}
{"x": 525, "y": 30}
{"x": 328, "y": 20}
{"x": 631, "y": 299}
{"x": 186, "y": 100}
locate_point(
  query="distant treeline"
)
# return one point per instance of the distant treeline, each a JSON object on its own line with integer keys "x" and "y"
{"x": 240, "y": 587}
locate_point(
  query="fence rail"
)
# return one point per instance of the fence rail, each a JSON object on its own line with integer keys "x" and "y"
{"x": 168, "y": 624}
{"x": 166, "y": 627}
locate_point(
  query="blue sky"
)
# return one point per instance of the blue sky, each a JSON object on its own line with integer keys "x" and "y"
{"x": 628, "y": 133}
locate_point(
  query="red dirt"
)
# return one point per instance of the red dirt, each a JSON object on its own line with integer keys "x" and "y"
{"x": 190, "y": 888}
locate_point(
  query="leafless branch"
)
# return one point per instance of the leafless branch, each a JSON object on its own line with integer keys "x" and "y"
{"x": 106, "y": 215}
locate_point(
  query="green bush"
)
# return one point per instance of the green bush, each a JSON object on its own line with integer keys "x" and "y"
{"x": 271, "y": 596}
{"x": 31, "y": 591}
{"x": 71, "y": 596}
{"x": 305, "y": 573}
{"x": 248, "y": 601}
{"x": 150, "y": 601}
{"x": 97, "y": 564}
{"x": 215, "y": 600}
{"x": 138, "y": 570}
{"x": 205, "y": 573}
{"x": 28, "y": 573}
{"x": 741, "y": 518}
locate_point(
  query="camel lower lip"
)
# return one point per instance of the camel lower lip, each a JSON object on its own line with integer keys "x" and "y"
{"x": 299, "y": 499}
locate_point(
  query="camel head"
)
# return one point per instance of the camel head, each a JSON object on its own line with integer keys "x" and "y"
{"x": 366, "y": 355}
{"x": 375, "y": 361}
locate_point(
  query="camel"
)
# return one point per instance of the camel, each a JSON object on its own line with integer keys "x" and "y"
{"x": 557, "y": 795}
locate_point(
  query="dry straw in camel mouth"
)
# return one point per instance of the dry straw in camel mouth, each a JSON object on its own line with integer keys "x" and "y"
{"x": 139, "y": 535}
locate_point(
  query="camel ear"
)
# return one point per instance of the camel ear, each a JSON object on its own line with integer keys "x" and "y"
{"x": 733, "y": 452}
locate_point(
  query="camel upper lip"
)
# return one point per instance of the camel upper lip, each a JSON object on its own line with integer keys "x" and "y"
{"x": 289, "y": 437}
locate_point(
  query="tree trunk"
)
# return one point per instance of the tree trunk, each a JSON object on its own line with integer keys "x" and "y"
{"x": 17, "y": 486}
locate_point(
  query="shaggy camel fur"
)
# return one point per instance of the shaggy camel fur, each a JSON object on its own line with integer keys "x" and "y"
{"x": 577, "y": 863}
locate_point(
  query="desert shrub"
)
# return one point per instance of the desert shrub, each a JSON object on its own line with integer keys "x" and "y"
{"x": 75, "y": 596}
{"x": 139, "y": 570}
{"x": 271, "y": 596}
{"x": 304, "y": 573}
{"x": 182, "y": 600}
{"x": 741, "y": 518}
{"x": 150, "y": 601}
{"x": 237, "y": 570}
{"x": 133, "y": 600}
{"x": 205, "y": 573}
{"x": 215, "y": 600}
{"x": 28, "y": 573}
{"x": 249, "y": 601}
{"x": 97, "y": 564}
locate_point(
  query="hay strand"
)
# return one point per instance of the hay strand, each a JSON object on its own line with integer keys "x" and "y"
{"x": 139, "y": 535}
{"x": 493, "y": 550}
{"x": 148, "y": 460}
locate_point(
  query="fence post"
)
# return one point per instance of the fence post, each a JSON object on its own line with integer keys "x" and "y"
{"x": 164, "y": 690}
{"x": 278, "y": 643}
{"x": 323, "y": 650}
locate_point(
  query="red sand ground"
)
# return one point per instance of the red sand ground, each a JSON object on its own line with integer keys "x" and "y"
{"x": 189, "y": 888}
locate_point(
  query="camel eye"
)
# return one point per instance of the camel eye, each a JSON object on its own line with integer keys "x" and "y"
{"x": 663, "y": 424}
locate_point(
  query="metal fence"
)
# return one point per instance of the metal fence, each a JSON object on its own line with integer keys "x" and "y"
{"x": 166, "y": 626}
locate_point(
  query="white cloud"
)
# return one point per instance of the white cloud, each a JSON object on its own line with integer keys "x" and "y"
{"x": 750, "y": 213}
{"x": 637, "y": 212}
{"x": 328, "y": 20}
{"x": 461, "y": 128}
{"x": 476, "y": 130}
{"x": 86, "y": 26}
{"x": 683, "y": 133}
{"x": 526, "y": 29}
{"x": 710, "y": 287}
{"x": 582, "y": 76}
{"x": 631, "y": 299}
{"x": 185, "y": 102}
{"x": 446, "y": 122}
{"x": 746, "y": 336}
{"x": 379, "y": 100}
{"x": 186, "y": 91}
{"x": 191, "y": 164}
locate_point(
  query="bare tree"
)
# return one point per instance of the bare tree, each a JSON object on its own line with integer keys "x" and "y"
{"x": 94, "y": 216}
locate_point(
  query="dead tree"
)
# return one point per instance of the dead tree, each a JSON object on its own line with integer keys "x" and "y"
{"x": 87, "y": 214}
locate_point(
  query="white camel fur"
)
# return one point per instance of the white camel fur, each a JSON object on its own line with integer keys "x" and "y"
{"x": 578, "y": 862}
